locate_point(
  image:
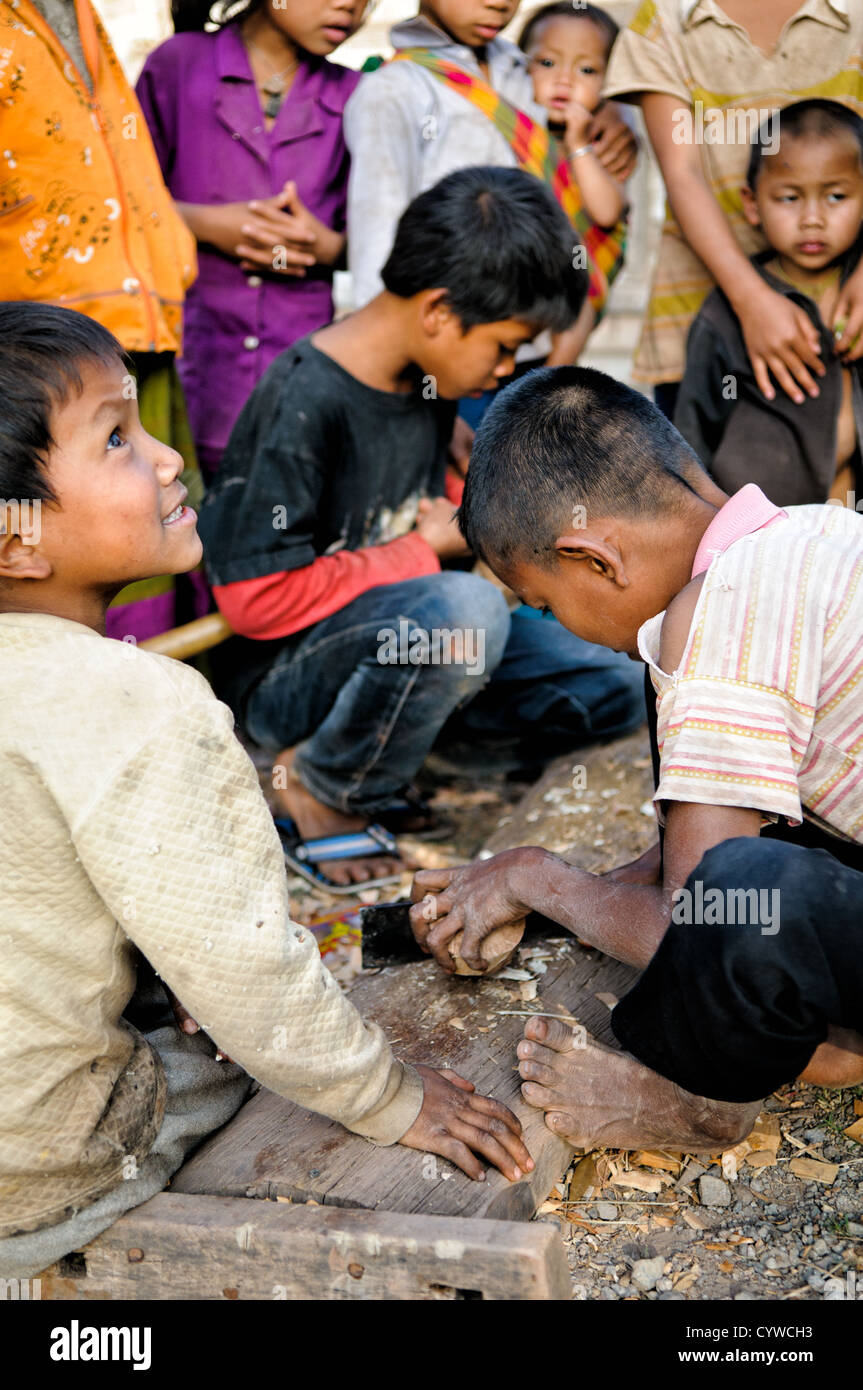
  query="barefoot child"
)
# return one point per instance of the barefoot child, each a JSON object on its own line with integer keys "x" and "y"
{"x": 327, "y": 528}
{"x": 133, "y": 822}
{"x": 748, "y": 925}
{"x": 807, "y": 199}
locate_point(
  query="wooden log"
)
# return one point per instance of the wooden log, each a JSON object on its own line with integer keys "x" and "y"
{"x": 180, "y": 1247}
{"x": 274, "y": 1148}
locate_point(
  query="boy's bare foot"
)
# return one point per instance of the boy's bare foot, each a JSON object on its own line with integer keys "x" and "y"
{"x": 314, "y": 820}
{"x": 594, "y": 1096}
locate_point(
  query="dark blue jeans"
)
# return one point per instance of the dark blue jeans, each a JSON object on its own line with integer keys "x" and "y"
{"x": 365, "y": 698}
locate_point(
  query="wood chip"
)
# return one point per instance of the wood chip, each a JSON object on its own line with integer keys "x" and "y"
{"x": 584, "y": 1177}
{"x": 697, "y": 1221}
{"x": 813, "y": 1170}
{"x": 457, "y": 1023}
{"x": 641, "y": 1181}
{"x": 666, "y": 1222}
{"x": 766, "y": 1136}
{"x": 763, "y": 1159}
{"x": 527, "y": 991}
{"x": 855, "y": 1132}
{"x": 726, "y": 1267}
{"x": 651, "y": 1158}
{"x": 609, "y": 1000}
{"x": 858, "y": 1107}
{"x": 686, "y": 1280}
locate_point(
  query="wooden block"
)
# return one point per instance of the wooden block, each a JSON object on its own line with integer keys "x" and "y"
{"x": 180, "y": 1247}
{"x": 496, "y": 949}
{"x": 273, "y": 1148}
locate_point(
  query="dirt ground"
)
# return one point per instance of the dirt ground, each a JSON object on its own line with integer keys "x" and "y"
{"x": 781, "y": 1217}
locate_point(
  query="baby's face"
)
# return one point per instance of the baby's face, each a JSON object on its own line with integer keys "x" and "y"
{"x": 809, "y": 199}
{"x": 567, "y": 60}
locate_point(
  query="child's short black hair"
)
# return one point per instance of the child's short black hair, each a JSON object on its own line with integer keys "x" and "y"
{"x": 569, "y": 9}
{"x": 41, "y": 350}
{"x": 194, "y": 15}
{"x": 561, "y": 438}
{"x": 825, "y": 119}
{"x": 498, "y": 242}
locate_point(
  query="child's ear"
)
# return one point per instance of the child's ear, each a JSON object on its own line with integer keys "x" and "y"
{"x": 598, "y": 555}
{"x": 20, "y": 559}
{"x": 750, "y": 207}
{"x": 435, "y": 311}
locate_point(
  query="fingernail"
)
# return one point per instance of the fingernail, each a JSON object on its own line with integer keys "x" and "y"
{"x": 517, "y": 1173}
{"x": 190, "y": 1026}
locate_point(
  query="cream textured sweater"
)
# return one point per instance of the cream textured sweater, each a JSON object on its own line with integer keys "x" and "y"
{"x": 131, "y": 817}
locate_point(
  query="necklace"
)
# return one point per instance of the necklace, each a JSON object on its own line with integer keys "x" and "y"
{"x": 274, "y": 85}
{"x": 815, "y": 288}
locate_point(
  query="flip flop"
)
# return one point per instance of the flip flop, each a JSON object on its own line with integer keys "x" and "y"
{"x": 303, "y": 856}
{"x": 402, "y": 810}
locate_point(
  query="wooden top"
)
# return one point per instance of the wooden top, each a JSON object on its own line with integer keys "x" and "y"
{"x": 274, "y": 1148}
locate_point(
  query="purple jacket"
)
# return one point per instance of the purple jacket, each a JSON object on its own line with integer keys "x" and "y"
{"x": 201, "y": 105}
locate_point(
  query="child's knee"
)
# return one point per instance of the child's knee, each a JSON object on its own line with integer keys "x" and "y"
{"x": 468, "y": 618}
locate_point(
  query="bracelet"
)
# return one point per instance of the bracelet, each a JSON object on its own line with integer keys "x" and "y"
{"x": 582, "y": 149}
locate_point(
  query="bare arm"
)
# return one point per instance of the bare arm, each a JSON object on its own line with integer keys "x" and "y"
{"x": 779, "y": 336}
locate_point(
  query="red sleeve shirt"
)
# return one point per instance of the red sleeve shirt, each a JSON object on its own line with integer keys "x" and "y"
{"x": 279, "y": 604}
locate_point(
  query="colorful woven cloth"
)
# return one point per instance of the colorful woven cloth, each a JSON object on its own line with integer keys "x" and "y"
{"x": 534, "y": 151}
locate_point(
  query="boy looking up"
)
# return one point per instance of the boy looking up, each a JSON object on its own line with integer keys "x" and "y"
{"x": 133, "y": 822}
{"x": 807, "y": 199}
{"x": 747, "y": 925}
{"x": 327, "y": 528}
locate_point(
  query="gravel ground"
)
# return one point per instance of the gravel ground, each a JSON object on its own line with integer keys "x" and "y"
{"x": 778, "y": 1237}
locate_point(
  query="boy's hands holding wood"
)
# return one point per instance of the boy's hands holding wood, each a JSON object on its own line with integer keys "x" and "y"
{"x": 458, "y": 1124}
{"x": 473, "y": 898}
{"x": 438, "y": 527}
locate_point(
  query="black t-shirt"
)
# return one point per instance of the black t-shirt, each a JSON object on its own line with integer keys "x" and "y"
{"x": 317, "y": 462}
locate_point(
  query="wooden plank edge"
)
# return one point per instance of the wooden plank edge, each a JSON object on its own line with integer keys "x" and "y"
{"x": 184, "y": 1247}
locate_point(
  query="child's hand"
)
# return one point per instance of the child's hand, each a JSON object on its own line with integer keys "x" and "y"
{"x": 437, "y": 525}
{"x": 613, "y": 141}
{"x": 578, "y": 123}
{"x": 282, "y": 235}
{"x": 457, "y": 1124}
{"x": 780, "y": 338}
{"x": 848, "y": 318}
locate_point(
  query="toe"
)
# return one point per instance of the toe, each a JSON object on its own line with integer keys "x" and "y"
{"x": 535, "y": 1071}
{"x": 539, "y": 1096}
{"x": 558, "y": 1035}
{"x": 535, "y": 1028}
{"x": 559, "y": 1122}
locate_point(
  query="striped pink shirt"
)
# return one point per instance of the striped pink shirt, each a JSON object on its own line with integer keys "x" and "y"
{"x": 766, "y": 707}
